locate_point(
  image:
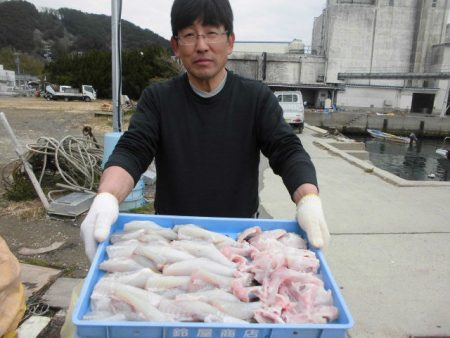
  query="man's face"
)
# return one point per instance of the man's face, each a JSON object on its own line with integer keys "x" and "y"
{"x": 204, "y": 52}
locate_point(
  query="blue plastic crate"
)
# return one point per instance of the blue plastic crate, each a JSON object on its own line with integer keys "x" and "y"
{"x": 228, "y": 226}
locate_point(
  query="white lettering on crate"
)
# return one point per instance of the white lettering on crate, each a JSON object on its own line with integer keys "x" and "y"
{"x": 180, "y": 333}
{"x": 251, "y": 333}
{"x": 228, "y": 333}
{"x": 204, "y": 333}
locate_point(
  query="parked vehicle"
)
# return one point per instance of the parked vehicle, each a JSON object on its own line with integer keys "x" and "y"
{"x": 293, "y": 108}
{"x": 67, "y": 93}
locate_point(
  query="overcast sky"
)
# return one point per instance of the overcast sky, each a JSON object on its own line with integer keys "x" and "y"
{"x": 254, "y": 20}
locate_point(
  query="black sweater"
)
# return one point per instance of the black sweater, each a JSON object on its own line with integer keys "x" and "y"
{"x": 207, "y": 151}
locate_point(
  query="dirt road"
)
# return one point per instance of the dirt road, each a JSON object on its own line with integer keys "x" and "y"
{"x": 31, "y": 118}
{"x": 25, "y": 224}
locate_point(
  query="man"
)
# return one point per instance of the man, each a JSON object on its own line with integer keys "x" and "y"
{"x": 206, "y": 129}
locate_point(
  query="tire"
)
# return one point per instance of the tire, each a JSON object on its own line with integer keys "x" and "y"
{"x": 66, "y": 99}
{"x": 295, "y": 127}
{"x": 300, "y": 128}
{"x": 87, "y": 99}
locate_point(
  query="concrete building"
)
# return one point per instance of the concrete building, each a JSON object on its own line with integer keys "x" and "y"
{"x": 7, "y": 81}
{"x": 383, "y": 55}
{"x": 294, "y": 68}
{"x": 383, "y": 52}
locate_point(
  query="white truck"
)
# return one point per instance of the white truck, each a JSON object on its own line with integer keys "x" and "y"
{"x": 67, "y": 93}
{"x": 293, "y": 108}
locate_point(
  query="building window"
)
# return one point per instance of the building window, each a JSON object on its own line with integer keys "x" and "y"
{"x": 391, "y": 2}
{"x": 434, "y": 4}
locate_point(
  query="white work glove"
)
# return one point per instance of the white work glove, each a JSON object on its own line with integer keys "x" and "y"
{"x": 97, "y": 224}
{"x": 311, "y": 219}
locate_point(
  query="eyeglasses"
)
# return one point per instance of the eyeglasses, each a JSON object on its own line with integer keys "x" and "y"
{"x": 189, "y": 39}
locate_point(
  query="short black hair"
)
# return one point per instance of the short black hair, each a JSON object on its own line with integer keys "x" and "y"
{"x": 209, "y": 12}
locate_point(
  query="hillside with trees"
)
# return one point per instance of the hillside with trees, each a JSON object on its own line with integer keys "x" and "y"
{"x": 18, "y": 20}
{"x": 71, "y": 47}
{"x": 25, "y": 29}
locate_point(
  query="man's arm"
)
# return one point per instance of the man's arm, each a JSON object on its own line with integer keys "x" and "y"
{"x": 303, "y": 190}
{"x": 116, "y": 181}
{"x": 288, "y": 158}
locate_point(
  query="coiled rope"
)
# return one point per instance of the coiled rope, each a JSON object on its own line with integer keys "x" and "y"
{"x": 76, "y": 160}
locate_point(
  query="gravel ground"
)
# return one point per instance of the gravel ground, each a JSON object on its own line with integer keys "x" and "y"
{"x": 25, "y": 224}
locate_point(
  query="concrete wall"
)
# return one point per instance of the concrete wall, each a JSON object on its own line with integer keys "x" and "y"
{"x": 430, "y": 29}
{"x": 348, "y": 40}
{"x": 441, "y": 99}
{"x": 371, "y": 97}
{"x": 317, "y": 41}
{"x": 260, "y": 46}
{"x": 447, "y": 34}
{"x": 295, "y": 46}
{"x": 399, "y": 124}
{"x": 366, "y": 38}
{"x": 312, "y": 69}
{"x": 392, "y": 39}
{"x": 245, "y": 64}
{"x": 291, "y": 69}
{"x": 283, "y": 71}
{"x": 440, "y": 62}
{"x": 359, "y": 2}
{"x": 440, "y": 58}
{"x": 390, "y": 99}
{"x": 363, "y": 36}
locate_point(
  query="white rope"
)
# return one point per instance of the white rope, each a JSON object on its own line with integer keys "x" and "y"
{"x": 77, "y": 160}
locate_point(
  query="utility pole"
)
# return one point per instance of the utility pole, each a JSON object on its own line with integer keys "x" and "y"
{"x": 17, "y": 62}
{"x": 116, "y": 54}
{"x": 136, "y": 197}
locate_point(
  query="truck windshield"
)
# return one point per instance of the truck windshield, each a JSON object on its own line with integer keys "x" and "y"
{"x": 89, "y": 89}
{"x": 288, "y": 98}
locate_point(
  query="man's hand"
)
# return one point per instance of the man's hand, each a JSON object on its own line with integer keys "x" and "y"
{"x": 311, "y": 219}
{"x": 97, "y": 224}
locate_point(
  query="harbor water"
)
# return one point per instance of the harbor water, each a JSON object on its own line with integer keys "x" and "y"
{"x": 417, "y": 162}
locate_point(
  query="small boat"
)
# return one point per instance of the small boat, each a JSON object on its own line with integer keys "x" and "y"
{"x": 381, "y": 135}
{"x": 444, "y": 149}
